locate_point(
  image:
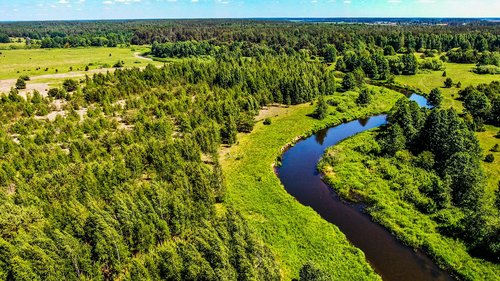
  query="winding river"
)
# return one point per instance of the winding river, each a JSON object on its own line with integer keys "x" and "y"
{"x": 388, "y": 256}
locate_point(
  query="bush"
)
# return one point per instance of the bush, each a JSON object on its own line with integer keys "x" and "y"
{"x": 309, "y": 272}
{"x": 321, "y": 110}
{"x": 435, "y": 97}
{"x": 118, "y": 64}
{"x": 20, "y": 84}
{"x": 267, "y": 121}
{"x": 489, "y": 158}
{"x": 432, "y": 64}
{"x": 364, "y": 98}
{"x": 495, "y": 148}
{"x": 448, "y": 83}
{"x": 56, "y": 93}
{"x": 70, "y": 85}
{"x": 24, "y": 77}
{"x": 486, "y": 69}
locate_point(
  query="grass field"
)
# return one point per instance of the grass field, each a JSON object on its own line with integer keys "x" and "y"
{"x": 434, "y": 79}
{"x": 294, "y": 232}
{"x": 385, "y": 182}
{"x": 33, "y": 62}
{"x": 487, "y": 140}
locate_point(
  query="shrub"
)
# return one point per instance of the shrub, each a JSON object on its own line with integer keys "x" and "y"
{"x": 486, "y": 69}
{"x": 118, "y": 64}
{"x": 495, "y": 148}
{"x": 56, "y": 93}
{"x": 20, "y": 84}
{"x": 24, "y": 77}
{"x": 489, "y": 158}
{"x": 432, "y": 64}
{"x": 448, "y": 83}
{"x": 70, "y": 85}
{"x": 364, "y": 98}
{"x": 267, "y": 121}
{"x": 321, "y": 110}
{"x": 435, "y": 97}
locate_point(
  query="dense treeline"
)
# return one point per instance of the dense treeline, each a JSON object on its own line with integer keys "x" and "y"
{"x": 474, "y": 56}
{"x": 182, "y": 49}
{"x": 482, "y": 103}
{"x": 130, "y": 190}
{"x": 444, "y": 144}
{"x": 275, "y": 34}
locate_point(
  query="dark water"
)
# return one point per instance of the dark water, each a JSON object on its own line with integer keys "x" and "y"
{"x": 298, "y": 173}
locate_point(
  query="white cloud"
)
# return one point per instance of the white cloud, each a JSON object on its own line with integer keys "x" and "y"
{"x": 126, "y": 2}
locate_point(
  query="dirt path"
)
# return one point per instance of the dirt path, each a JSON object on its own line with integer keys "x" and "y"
{"x": 138, "y": 55}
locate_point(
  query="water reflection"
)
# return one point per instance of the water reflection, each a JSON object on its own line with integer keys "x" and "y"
{"x": 321, "y": 135}
{"x": 298, "y": 173}
{"x": 364, "y": 121}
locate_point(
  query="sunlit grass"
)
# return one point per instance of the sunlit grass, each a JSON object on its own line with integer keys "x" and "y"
{"x": 294, "y": 232}
{"x": 355, "y": 173}
{"x": 33, "y": 62}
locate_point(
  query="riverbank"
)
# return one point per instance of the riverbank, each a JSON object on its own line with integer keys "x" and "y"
{"x": 295, "y": 233}
{"x": 358, "y": 175}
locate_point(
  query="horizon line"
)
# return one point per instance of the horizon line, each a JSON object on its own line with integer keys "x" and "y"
{"x": 251, "y": 18}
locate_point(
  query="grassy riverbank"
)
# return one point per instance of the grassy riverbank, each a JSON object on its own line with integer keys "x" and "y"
{"x": 357, "y": 173}
{"x": 295, "y": 233}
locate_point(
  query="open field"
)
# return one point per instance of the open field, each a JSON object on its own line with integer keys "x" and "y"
{"x": 487, "y": 140}
{"x": 294, "y": 232}
{"x": 434, "y": 79}
{"x": 34, "y": 62}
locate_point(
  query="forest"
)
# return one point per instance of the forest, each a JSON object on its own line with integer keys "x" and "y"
{"x": 126, "y": 180}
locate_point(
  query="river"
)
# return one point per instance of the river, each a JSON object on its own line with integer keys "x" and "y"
{"x": 389, "y": 257}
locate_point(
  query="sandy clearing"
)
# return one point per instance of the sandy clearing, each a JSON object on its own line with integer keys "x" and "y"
{"x": 272, "y": 110}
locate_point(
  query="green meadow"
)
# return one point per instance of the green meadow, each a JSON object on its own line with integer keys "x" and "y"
{"x": 425, "y": 81}
{"x": 295, "y": 233}
{"x": 35, "y": 62}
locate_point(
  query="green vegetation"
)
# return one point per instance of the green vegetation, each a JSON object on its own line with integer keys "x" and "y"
{"x": 20, "y": 84}
{"x": 294, "y": 232}
{"x": 162, "y": 171}
{"x": 460, "y": 73}
{"x": 34, "y": 62}
{"x": 422, "y": 179}
{"x": 435, "y": 97}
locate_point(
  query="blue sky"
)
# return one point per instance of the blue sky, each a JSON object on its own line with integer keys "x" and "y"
{"x": 120, "y": 9}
